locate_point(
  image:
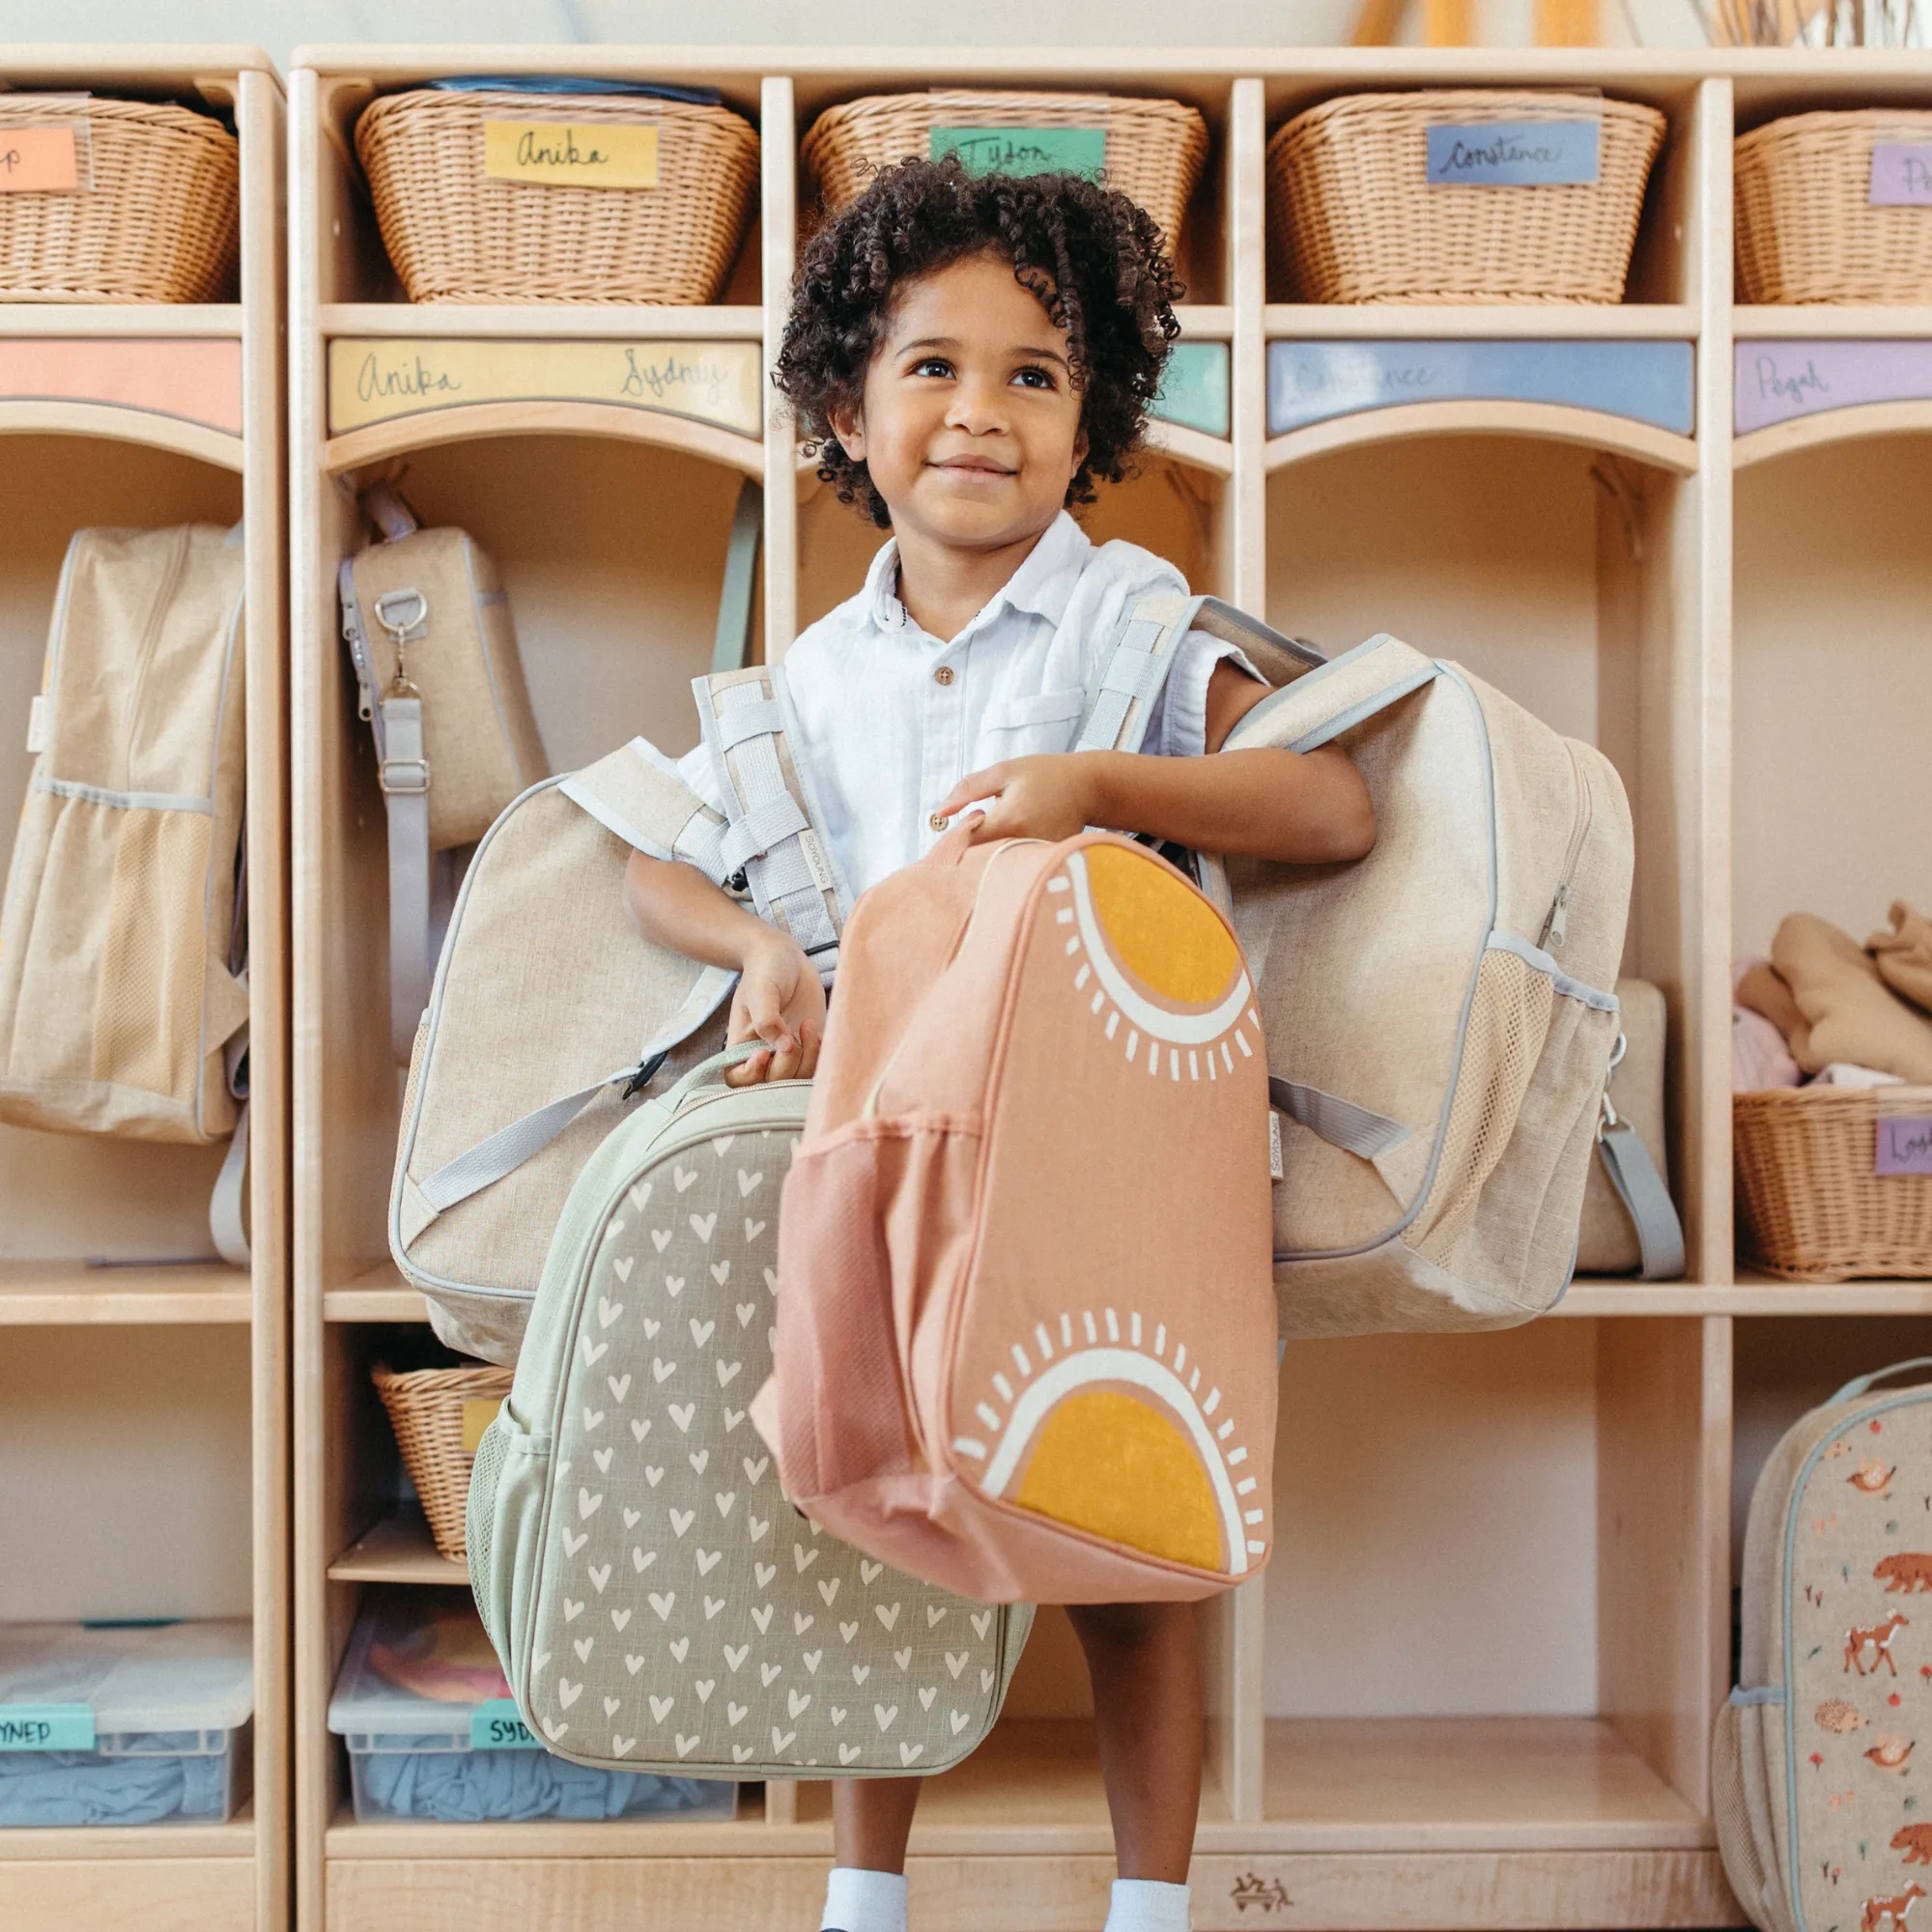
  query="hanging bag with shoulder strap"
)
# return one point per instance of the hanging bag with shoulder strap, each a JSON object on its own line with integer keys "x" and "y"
{"x": 123, "y": 996}
{"x": 440, "y": 681}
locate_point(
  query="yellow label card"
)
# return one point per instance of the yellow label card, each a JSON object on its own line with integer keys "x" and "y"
{"x": 373, "y": 380}
{"x": 565, "y": 153}
{"x": 478, "y": 1413}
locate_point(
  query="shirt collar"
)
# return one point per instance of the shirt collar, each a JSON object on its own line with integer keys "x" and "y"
{"x": 1042, "y": 586}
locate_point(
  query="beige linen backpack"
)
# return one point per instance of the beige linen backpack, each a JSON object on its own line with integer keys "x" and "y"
{"x": 1438, "y": 1016}
{"x": 124, "y": 998}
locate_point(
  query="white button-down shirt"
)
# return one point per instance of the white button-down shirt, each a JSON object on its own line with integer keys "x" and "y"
{"x": 890, "y": 718}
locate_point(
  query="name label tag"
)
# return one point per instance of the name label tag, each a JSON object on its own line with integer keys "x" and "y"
{"x": 1904, "y": 1146}
{"x": 478, "y": 1413}
{"x": 39, "y": 722}
{"x": 46, "y": 1728}
{"x": 1023, "y": 151}
{"x": 497, "y": 1725}
{"x": 1514, "y": 154}
{"x": 1901, "y": 174}
{"x": 562, "y": 154}
{"x": 39, "y": 160}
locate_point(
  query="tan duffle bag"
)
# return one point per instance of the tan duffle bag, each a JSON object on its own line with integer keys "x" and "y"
{"x": 441, "y": 683}
{"x": 1630, "y": 1223}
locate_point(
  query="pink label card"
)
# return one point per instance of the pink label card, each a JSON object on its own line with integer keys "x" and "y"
{"x": 1904, "y": 1145}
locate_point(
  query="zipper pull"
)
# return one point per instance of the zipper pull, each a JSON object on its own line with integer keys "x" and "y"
{"x": 351, "y": 635}
{"x": 1555, "y": 925}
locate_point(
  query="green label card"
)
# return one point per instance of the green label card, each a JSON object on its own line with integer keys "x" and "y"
{"x": 497, "y": 1725}
{"x": 1024, "y": 151}
{"x": 46, "y": 1728}
{"x": 1194, "y": 388}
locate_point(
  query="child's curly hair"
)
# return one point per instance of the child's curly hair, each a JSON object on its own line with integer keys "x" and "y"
{"x": 1094, "y": 260}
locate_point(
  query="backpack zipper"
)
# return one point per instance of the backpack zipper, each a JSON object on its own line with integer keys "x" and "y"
{"x": 358, "y": 649}
{"x": 1556, "y": 922}
{"x": 157, "y": 612}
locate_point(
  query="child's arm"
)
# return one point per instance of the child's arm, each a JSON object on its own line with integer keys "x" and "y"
{"x": 1300, "y": 807}
{"x": 779, "y": 997}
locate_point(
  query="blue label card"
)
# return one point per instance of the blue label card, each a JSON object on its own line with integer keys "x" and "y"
{"x": 1023, "y": 151}
{"x": 1901, "y": 174}
{"x": 1645, "y": 381}
{"x": 1194, "y": 388}
{"x": 499, "y": 1725}
{"x": 1514, "y": 154}
{"x": 46, "y": 1728}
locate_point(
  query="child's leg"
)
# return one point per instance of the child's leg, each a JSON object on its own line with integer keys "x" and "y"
{"x": 872, "y": 1818}
{"x": 1144, "y": 1663}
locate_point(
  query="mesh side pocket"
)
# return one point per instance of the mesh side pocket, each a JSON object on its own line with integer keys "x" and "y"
{"x": 479, "y": 1511}
{"x": 1509, "y": 1020}
{"x": 153, "y": 959}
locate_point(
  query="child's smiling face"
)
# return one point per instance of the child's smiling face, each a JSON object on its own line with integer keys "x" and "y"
{"x": 970, "y": 423}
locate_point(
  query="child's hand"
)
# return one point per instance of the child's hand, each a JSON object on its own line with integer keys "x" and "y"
{"x": 1051, "y": 796}
{"x": 779, "y": 1000}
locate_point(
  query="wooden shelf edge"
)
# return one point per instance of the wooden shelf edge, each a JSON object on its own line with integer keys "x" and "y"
{"x": 735, "y": 322}
{"x": 1644, "y": 322}
{"x": 1858, "y": 423}
{"x": 471, "y": 421}
{"x": 115, "y": 424}
{"x": 114, "y": 320}
{"x": 1801, "y": 321}
{"x": 1556, "y": 423}
{"x": 69, "y": 1293}
{"x": 398, "y": 1550}
{"x": 234, "y": 1839}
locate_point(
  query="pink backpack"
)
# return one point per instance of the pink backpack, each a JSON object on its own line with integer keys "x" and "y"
{"x": 1026, "y": 1320}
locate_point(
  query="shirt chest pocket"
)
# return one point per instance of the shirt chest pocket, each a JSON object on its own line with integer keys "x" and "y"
{"x": 1044, "y": 722}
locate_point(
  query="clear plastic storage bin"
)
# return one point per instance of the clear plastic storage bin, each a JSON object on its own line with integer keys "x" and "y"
{"x": 123, "y": 1724}
{"x": 432, "y": 1732}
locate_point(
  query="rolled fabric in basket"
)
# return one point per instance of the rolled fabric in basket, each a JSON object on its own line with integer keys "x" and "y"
{"x": 1849, "y": 1013}
{"x": 1904, "y": 955}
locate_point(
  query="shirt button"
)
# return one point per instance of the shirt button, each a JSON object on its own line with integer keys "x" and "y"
{"x": 937, "y": 823}
{"x": 943, "y": 675}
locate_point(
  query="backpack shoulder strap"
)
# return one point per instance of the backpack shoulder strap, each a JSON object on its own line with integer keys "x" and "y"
{"x": 1330, "y": 698}
{"x": 637, "y": 793}
{"x": 1136, "y": 662}
{"x": 773, "y": 836}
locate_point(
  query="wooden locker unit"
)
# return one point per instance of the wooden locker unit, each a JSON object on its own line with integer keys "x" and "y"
{"x": 143, "y": 1403}
{"x": 1476, "y": 1688}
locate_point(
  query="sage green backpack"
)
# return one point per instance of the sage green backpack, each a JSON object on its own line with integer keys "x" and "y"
{"x": 656, "y": 1602}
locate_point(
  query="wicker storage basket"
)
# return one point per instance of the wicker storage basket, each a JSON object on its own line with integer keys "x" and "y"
{"x": 1806, "y": 230}
{"x": 158, "y": 224}
{"x": 1155, "y": 147}
{"x": 1809, "y": 1203}
{"x": 1352, "y": 219}
{"x": 426, "y": 1411}
{"x": 457, "y": 236}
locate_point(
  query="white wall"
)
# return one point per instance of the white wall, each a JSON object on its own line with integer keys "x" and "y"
{"x": 280, "y": 26}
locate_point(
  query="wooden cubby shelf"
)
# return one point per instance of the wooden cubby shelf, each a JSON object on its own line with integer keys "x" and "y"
{"x": 147, "y": 1473}
{"x": 1476, "y": 1689}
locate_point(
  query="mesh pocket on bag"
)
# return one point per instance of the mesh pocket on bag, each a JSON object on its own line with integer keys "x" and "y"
{"x": 1509, "y": 1020}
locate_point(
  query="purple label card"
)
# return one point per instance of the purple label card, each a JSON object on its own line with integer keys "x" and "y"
{"x": 1901, "y": 174}
{"x": 1904, "y": 1145}
{"x": 1780, "y": 380}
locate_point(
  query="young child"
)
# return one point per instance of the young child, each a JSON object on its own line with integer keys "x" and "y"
{"x": 971, "y": 356}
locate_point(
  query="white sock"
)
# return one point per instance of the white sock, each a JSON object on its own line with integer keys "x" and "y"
{"x": 1146, "y": 1905}
{"x": 869, "y": 1901}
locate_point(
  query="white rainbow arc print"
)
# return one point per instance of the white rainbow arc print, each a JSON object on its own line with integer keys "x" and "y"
{"x": 1127, "y": 915}
{"x": 1103, "y": 1423}
{"x": 1158, "y": 1469}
